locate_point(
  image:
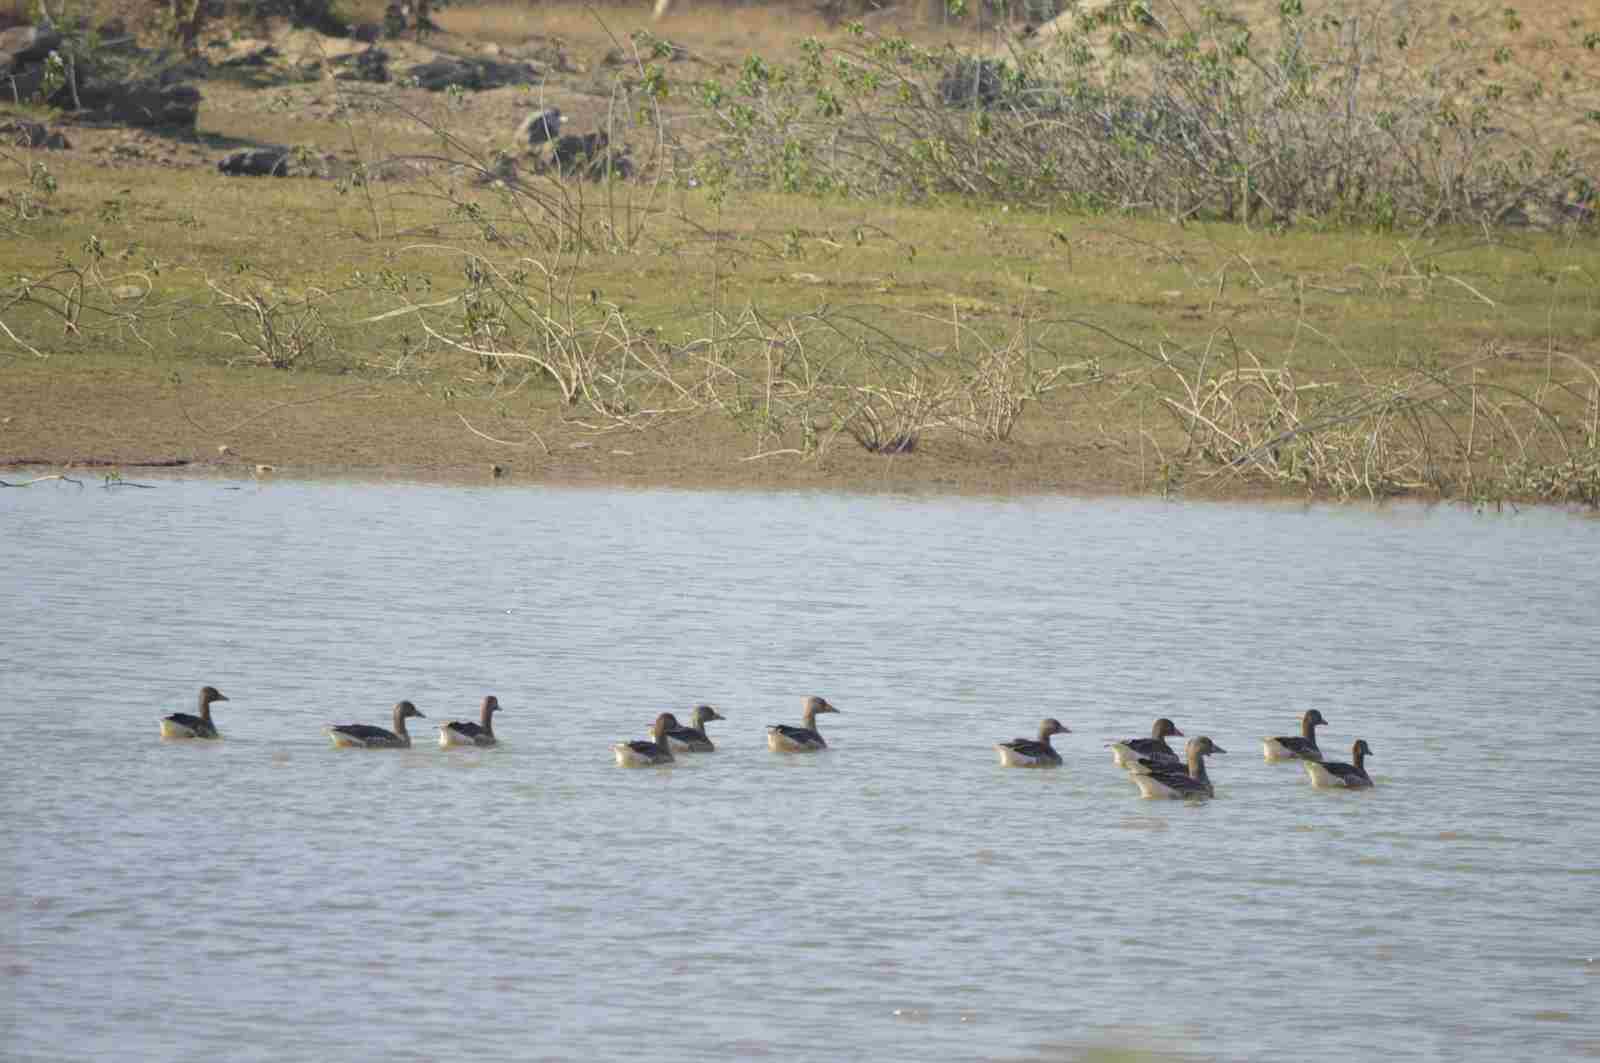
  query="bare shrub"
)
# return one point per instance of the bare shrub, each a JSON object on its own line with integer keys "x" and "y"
{"x": 1428, "y": 429}
{"x": 281, "y": 331}
{"x": 1363, "y": 109}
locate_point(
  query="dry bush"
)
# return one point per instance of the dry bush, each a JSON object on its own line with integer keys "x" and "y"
{"x": 1431, "y": 429}
{"x": 1370, "y": 110}
{"x": 282, "y": 331}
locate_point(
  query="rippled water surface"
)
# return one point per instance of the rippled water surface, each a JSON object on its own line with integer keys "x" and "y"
{"x": 901, "y": 896}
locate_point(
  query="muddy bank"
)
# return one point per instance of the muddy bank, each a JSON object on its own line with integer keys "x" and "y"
{"x": 237, "y": 421}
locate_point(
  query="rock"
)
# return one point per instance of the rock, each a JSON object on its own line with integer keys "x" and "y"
{"x": 477, "y": 74}
{"x": 22, "y": 45}
{"x": 147, "y": 104}
{"x": 367, "y": 32}
{"x": 588, "y": 155}
{"x": 540, "y": 127}
{"x": 440, "y": 74}
{"x": 21, "y": 133}
{"x": 144, "y": 104}
{"x": 577, "y": 148}
{"x": 260, "y": 57}
{"x": 188, "y": 70}
{"x": 126, "y": 291}
{"x": 271, "y": 160}
{"x": 275, "y": 160}
{"x": 370, "y": 65}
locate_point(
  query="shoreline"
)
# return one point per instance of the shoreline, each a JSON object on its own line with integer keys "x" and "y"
{"x": 154, "y": 418}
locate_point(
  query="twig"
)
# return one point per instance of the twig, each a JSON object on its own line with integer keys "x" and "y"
{"x": 502, "y": 442}
{"x": 41, "y": 479}
{"x": 20, "y": 342}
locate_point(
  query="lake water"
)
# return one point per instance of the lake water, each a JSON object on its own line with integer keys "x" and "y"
{"x": 900, "y": 897}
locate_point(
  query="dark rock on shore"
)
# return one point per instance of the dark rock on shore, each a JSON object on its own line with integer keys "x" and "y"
{"x": 260, "y": 57}
{"x": 476, "y": 74}
{"x": 269, "y": 161}
{"x": 590, "y": 156}
{"x": 371, "y": 65}
{"x": 540, "y": 127}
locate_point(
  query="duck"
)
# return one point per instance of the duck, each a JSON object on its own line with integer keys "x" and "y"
{"x": 183, "y": 725}
{"x": 1157, "y": 780}
{"x": 693, "y": 739}
{"x": 366, "y": 736}
{"x": 1127, "y": 754}
{"x": 781, "y": 738}
{"x": 642, "y": 754}
{"x": 1033, "y": 752}
{"x": 467, "y": 733}
{"x": 1332, "y": 775}
{"x": 1290, "y": 747}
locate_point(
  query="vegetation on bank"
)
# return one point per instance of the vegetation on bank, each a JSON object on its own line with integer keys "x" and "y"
{"x": 1329, "y": 248}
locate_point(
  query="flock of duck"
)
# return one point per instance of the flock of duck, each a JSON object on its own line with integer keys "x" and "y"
{"x": 1152, "y": 765}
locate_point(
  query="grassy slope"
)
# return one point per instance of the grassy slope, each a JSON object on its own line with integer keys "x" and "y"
{"x": 1330, "y": 306}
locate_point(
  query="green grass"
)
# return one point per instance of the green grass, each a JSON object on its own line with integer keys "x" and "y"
{"x": 1324, "y": 301}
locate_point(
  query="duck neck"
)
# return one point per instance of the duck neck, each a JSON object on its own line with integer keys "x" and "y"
{"x": 400, "y": 725}
{"x": 486, "y": 720}
{"x": 1045, "y": 735}
{"x": 205, "y": 709}
{"x": 1308, "y": 730}
{"x": 811, "y": 723}
{"x": 1358, "y": 757}
{"x": 1197, "y": 765}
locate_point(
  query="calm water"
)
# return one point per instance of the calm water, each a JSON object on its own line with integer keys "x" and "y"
{"x": 269, "y": 897}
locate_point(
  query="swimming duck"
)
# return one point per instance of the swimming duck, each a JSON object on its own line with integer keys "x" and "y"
{"x": 694, "y": 739}
{"x": 467, "y": 733}
{"x": 1291, "y": 748}
{"x": 781, "y": 738}
{"x": 366, "y": 736}
{"x": 182, "y": 725}
{"x": 1127, "y": 754}
{"x": 1159, "y": 781}
{"x": 1332, "y": 775}
{"x": 1030, "y": 752}
{"x": 642, "y": 754}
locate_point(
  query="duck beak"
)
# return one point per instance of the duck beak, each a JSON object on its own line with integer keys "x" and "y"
{"x": 421, "y": 715}
{"x": 1217, "y": 749}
